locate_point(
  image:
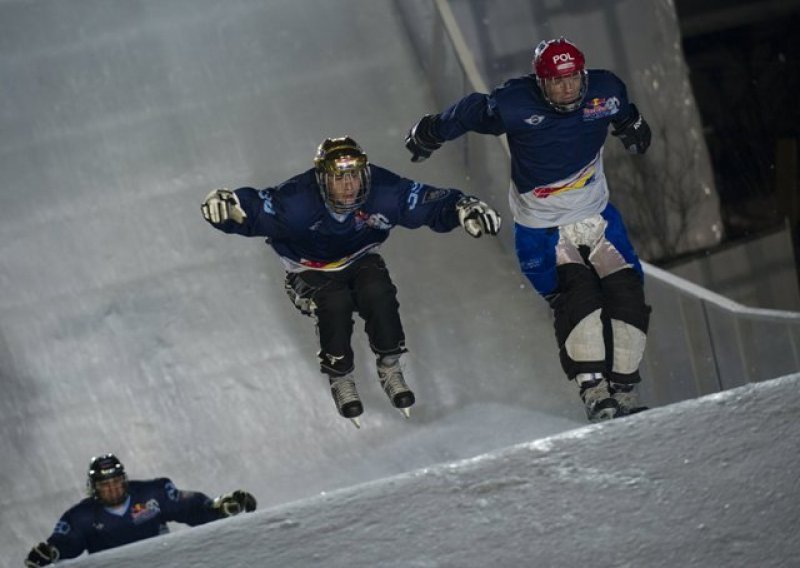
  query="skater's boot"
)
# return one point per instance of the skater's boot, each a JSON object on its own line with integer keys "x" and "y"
{"x": 393, "y": 384}
{"x": 626, "y": 397}
{"x": 600, "y": 404}
{"x": 345, "y": 395}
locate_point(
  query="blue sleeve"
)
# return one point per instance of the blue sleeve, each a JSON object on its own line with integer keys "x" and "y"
{"x": 474, "y": 113}
{"x": 262, "y": 208}
{"x": 625, "y": 108}
{"x": 69, "y": 534}
{"x": 416, "y": 204}
{"x": 188, "y": 507}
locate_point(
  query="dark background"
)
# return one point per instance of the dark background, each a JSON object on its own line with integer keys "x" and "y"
{"x": 744, "y": 62}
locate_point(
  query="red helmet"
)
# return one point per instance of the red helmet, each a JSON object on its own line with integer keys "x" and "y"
{"x": 555, "y": 58}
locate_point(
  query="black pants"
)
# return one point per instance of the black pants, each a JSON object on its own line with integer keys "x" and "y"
{"x": 364, "y": 287}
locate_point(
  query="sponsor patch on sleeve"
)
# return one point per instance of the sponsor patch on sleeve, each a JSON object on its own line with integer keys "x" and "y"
{"x": 62, "y": 527}
{"x": 172, "y": 492}
{"x": 435, "y": 195}
{"x": 266, "y": 197}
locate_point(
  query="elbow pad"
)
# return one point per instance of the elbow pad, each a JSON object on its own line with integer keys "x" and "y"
{"x": 633, "y": 132}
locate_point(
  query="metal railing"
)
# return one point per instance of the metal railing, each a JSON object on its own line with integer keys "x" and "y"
{"x": 699, "y": 342}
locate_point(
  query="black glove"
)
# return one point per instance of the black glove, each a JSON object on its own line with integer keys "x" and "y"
{"x": 476, "y": 217}
{"x": 41, "y": 555}
{"x": 234, "y": 503}
{"x": 634, "y": 132}
{"x": 421, "y": 141}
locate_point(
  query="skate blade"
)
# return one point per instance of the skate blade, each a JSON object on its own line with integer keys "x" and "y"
{"x": 405, "y": 412}
{"x": 357, "y": 422}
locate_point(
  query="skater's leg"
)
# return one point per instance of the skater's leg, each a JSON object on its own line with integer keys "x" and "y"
{"x": 331, "y": 304}
{"x": 579, "y": 331}
{"x": 624, "y": 305}
{"x": 555, "y": 266}
{"x": 622, "y": 284}
{"x": 335, "y": 328}
{"x": 376, "y": 300}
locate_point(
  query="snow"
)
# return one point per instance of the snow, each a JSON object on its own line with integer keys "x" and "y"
{"x": 709, "y": 482}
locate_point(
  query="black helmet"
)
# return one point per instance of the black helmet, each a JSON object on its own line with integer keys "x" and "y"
{"x": 101, "y": 468}
{"x": 342, "y": 157}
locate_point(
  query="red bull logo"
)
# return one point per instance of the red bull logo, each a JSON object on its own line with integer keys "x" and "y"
{"x": 599, "y": 107}
{"x": 141, "y": 512}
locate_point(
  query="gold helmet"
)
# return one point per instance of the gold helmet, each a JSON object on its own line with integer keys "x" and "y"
{"x": 342, "y": 159}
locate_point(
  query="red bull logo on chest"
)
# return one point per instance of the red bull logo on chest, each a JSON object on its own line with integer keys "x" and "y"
{"x": 141, "y": 512}
{"x": 598, "y": 107}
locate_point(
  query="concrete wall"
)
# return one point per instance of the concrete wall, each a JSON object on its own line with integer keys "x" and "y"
{"x": 760, "y": 273}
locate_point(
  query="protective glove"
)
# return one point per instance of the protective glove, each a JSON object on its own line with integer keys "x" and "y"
{"x": 476, "y": 217}
{"x": 221, "y": 205}
{"x": 41, "y": 555}
{"x": 421, "y": 141}
{"x": 634, "y": 132}
{"x": 300, "y": 293}
{"x": 234, "y": 503}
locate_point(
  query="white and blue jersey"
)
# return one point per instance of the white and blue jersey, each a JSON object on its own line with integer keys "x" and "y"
{"x": 308, "y": 236}
{"x": 556, "y": 158}
{"x": 90, "y": 526}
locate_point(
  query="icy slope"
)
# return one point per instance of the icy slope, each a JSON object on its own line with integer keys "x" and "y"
{"x": 706, "y": 483}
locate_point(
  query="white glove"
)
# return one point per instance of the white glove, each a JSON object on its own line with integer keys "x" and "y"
{"x": 221, "y": 205}
{"x": 234, "y": 503}
{"x": 476, "y": 217}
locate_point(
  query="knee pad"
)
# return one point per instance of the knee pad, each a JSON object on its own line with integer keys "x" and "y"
{"x": 585, "y": 341}
{"x": 624, "y": 306}
{"x": 623, "y": 299}
{"x": 578, "y": 325}
{"x": 629, "y": 343}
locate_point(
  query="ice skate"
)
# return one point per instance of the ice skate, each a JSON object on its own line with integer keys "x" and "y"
{"x": 596, "y": 396}
{"x": 626, "y": 397}
{"x": 393, "y": 384}
{"x": 345, "y": 395}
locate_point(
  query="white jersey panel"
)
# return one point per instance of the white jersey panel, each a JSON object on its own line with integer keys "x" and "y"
{"x": 581, "y": 195}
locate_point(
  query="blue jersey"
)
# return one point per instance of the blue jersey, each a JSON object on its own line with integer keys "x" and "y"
{"x": 556, "y": 158}
{"x": 91, "y": 526}
{"x": 307, "y": 235}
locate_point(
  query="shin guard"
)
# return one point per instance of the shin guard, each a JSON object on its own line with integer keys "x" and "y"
{"x": 625, "y": 307}
{"x": 579, "y": 330}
